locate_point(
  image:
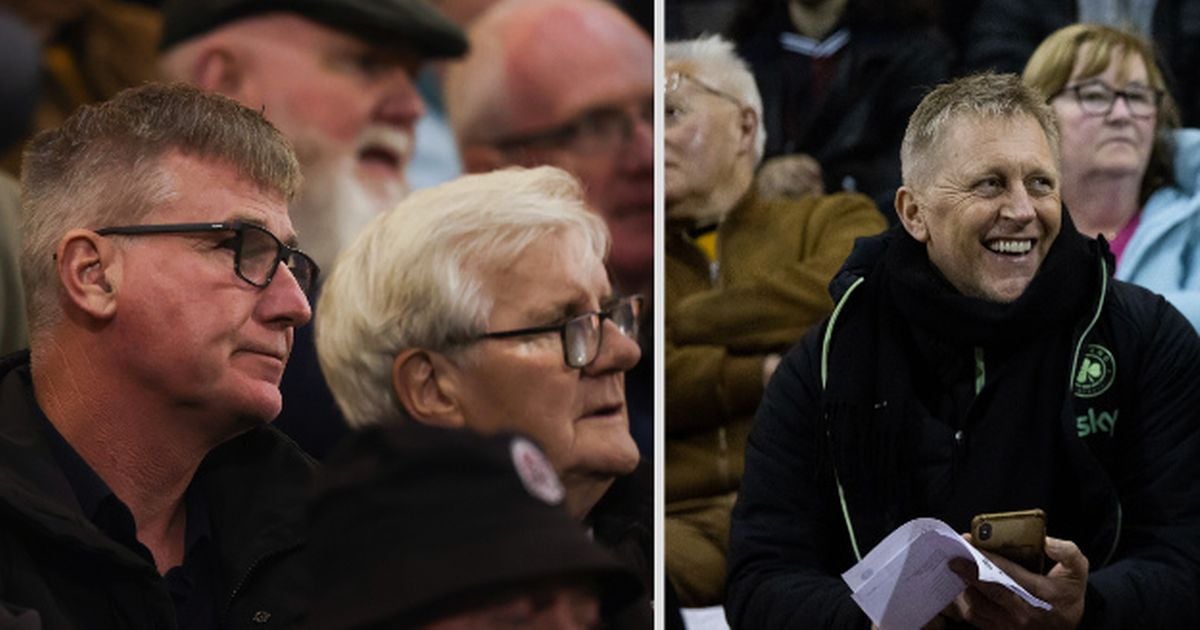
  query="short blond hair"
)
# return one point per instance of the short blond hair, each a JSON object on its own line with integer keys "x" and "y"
{"x": 415, "y": 277}
{"x": 984, "y": 95}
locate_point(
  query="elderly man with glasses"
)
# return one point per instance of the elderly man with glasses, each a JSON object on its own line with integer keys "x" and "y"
{"x": 140, "y": 484}
{"x": 484, "y": 304}
{"x": 570, "y": 83}
{"x": 745, "y": 276}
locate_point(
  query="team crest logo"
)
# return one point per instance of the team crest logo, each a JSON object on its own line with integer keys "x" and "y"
{"x": 1096, "y": 372}
{"x": 535, "y": 472}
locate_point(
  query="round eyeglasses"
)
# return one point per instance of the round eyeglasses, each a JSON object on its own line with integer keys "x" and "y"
{"x": 256, "y": 251}
{"x": 582, "y": 334}
{"x": 1097, "y": 99}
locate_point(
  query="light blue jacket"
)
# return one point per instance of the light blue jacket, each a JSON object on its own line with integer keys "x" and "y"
{"x": 1164, "y": 253}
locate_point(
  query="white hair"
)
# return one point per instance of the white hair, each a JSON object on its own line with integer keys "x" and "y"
{"x": 713, "y": 62}
{"x": 415, "y": 278}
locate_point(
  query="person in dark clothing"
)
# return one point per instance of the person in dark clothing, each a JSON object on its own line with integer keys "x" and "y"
{"x": 415, "y": 526}
{"x": 838, "y": 80}
{"x": 981, "y": 359}
{"x": 484, "y": 304}
{"x": 140, "y": 486}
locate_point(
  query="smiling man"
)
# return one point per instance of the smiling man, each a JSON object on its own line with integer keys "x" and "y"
{"x": 140, "y": 485}
{"x": 981, "y": 358}
{"x": 484, "y": 304}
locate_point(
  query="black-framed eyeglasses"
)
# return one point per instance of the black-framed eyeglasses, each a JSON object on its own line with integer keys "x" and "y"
{"x": 256, "y": 251}
{"x": 582, "y": 334}
{"x": 1097, "y": 99}
{"x": 600, "y": 130}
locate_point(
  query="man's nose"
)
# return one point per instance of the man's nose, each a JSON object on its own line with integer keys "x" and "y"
{"x": 399, "y": 102}
{"x": 283, "y": 302}
{"x": 638, "y": 151}
{"x": 618, "y": 352}
{"x": 1020, "y": 206}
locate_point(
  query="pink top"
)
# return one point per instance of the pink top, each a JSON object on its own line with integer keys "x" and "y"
{"x": 1122, "y": 238}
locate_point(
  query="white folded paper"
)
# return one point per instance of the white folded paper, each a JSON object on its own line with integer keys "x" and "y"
{"x": 905, "y": 580}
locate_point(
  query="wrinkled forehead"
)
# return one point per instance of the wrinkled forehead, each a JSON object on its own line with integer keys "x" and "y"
{"x": 572, "y": 60}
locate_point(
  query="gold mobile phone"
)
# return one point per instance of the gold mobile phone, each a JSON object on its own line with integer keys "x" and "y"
{"x": 1018, "y": 536}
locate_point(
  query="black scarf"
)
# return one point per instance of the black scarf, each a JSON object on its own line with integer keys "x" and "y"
{"x": 890, "y": 344}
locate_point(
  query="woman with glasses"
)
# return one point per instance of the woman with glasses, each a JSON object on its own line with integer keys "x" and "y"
{"x": 484, "y": 304}
{"x": 1128, "y": 173}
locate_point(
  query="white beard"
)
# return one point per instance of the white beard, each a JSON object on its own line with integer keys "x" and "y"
{"x": 334, "y": 205}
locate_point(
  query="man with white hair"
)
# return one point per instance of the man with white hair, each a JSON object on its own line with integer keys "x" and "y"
{"x": 484, "y": 304}
{"x": 337, "y": 77}
{"x": 745, "y": 276}
{"x": 569, "y": 83}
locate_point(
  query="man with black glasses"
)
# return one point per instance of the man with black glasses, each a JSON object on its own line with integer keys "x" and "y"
{"x": 484, "y": 304}
{"x": 140, "y": 485}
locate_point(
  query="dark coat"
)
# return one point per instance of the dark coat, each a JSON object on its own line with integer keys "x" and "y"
{"x": 855, "y": 129}
{"x": 1134, "y": 504}
{"x": 53, "y": 560}
{"x": 623, "y": 522}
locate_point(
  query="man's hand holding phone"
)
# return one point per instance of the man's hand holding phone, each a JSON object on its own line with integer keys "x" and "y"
{"x": 988, "y": 605}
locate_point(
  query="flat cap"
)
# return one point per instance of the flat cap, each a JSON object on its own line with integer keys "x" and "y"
{"x": 413, "y": 23}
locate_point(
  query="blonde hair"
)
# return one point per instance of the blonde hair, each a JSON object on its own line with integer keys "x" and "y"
{"x": 1097, "y": 46}
{"x": 415, "y": 277}
{"x": 984, "y": 95}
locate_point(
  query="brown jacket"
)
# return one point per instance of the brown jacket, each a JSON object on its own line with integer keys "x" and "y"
{"x": 775, "y": 260}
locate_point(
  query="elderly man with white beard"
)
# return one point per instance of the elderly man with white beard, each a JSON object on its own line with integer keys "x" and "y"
{"x": 337, "y": 77}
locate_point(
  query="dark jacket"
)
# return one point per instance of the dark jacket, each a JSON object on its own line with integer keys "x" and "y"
{"x": 623, "y": 522}
{"x": 1121, "y": 468}
{"x": 55, "y": 561}
{"x": 855, "y": 128}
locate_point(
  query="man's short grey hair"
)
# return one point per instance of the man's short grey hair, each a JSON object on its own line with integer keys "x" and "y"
{"x": 104, "y": 166}
{"x": 714, "y": 62}
{"x": 984, "y": 95}
{"x": 416, "y": 276}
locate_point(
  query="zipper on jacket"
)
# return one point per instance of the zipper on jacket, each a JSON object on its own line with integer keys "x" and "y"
{"x": 980, "y": 371}
{"x": 246, "y": 577}
{"x": 1071, "y": 385}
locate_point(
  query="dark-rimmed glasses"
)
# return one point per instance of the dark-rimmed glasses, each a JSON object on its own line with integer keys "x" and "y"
{"x": 256, "y": 251}
{"x": 1097, "y": 99}
{"x": 600, "y": 130}
{"x": 582, "y": 334}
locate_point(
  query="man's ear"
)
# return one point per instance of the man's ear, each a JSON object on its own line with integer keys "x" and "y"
{"x": 748, "y": 126}
{"x": 481, "y": 158}
{"x": 219, "y": 69}
{"x": 89, "y": 270}
{"x": 911, "y": 214}
{"x": 424, "y": 384}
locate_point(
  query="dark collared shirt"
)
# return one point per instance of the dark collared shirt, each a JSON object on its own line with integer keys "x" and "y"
{"x": 193, "y": 584}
